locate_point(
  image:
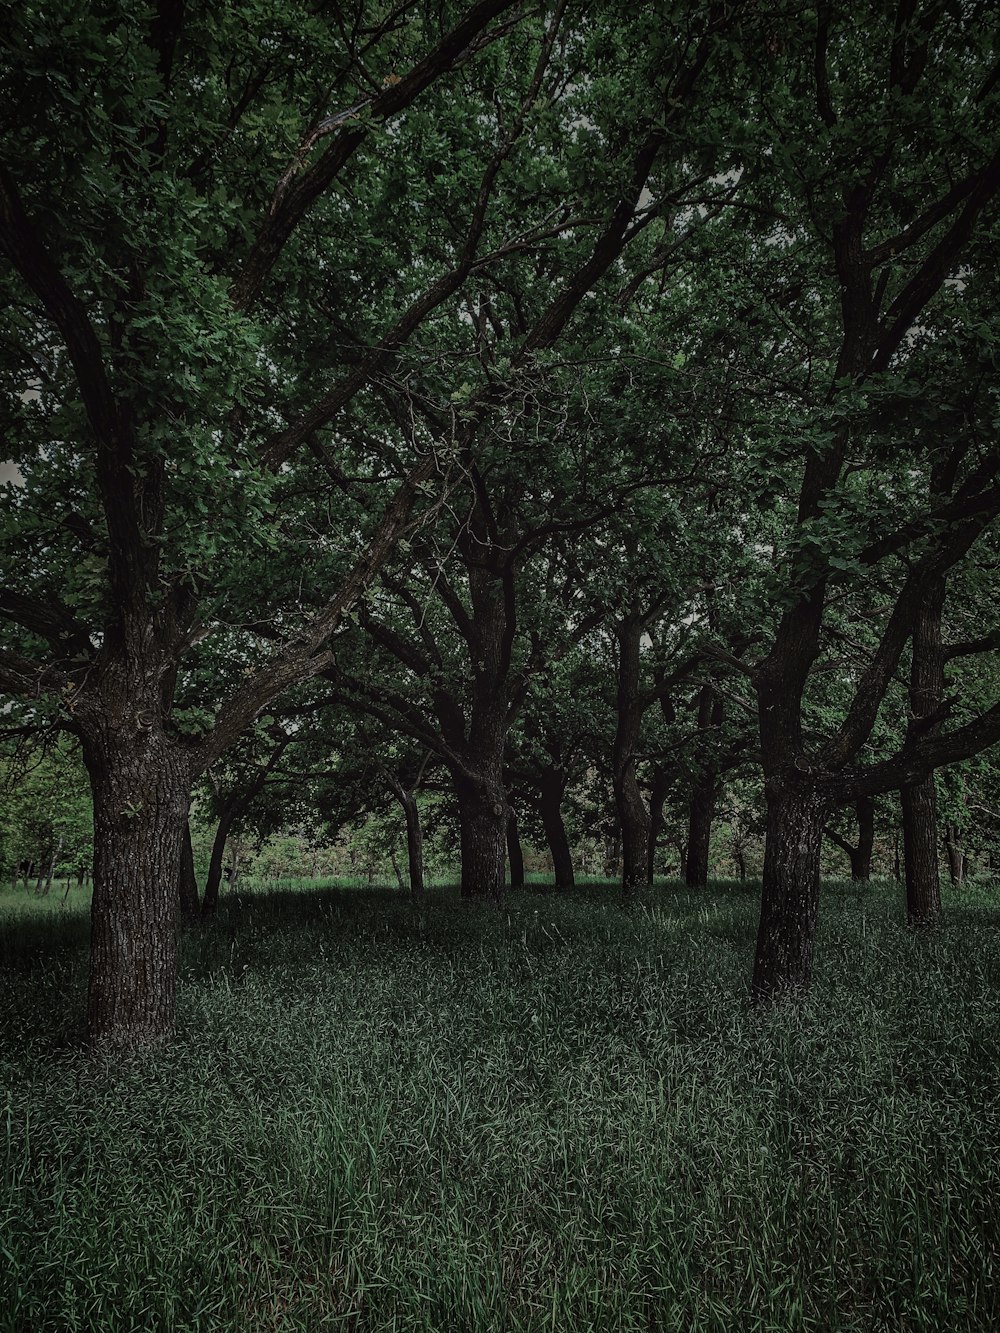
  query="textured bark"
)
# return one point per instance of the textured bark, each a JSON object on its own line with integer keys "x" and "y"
{"x": 552, "y": 785}
{"x": 790, "y": 897}
{"x": 701, "y": 813}
{"x": 187, "y": 883}
{"x": 920, "y": 855}
{"x": 515, "y": 856}
{"x": 140, "y": 785}
{"x": 482, "y": 812}
{"x": 633, "y": 817}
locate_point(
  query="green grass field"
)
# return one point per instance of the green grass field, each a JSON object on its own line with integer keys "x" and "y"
{"x": 556, "y": 1117}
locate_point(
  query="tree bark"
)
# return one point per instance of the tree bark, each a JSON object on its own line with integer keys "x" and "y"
{"x": 52, "y": 866}
{"x": 233, "y": 873}
{"x": 861, "y": 856}
{"x": 210, "y": 900}
{"x": 661, "y": 785}
{"x": 515, "y": 856}
{"x": 920, "y": 853}
{"x": 187, "y": 881}
{"x": 739, "y": 857}
{"x": 701, "y": 808}
{"x": 141, "y": 789}
{"x": 414, "y": 841}
{"x": 482, "y": 812}
{"x": 919, "y": 800}
{"x": 790, "y": 898}
{"x": 701, "y": 813}
{"x": 956, "y": 856}
{"x": 633, "y": 817}
{"x": 552, "y": 785}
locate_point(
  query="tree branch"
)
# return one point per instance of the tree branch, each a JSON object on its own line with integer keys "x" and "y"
{"x": 294, "y": 197}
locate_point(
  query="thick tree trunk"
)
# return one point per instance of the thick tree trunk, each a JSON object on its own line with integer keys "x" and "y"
{"x": 482, "y": 812}
{"x": 920, "y": 855}
{"x": 790, "y": 898}
{"x": 210, "y": 900}
{"x": 515, "y": 856}
{"x": 552, "y": 785}
{"x": 701, "y": 812}
{"x": 187, "y": 881}
{"x": 140, "y": 785}
{"x": 634, "y": 822}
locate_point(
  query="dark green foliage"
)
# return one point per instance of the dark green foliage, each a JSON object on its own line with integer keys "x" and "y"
{"x": 553, "y": 1117}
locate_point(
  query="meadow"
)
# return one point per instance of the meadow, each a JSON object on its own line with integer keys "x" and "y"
{"x": 559, "y": 1116}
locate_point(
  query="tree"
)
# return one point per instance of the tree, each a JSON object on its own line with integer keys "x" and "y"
{"x": 171, "y": 352}
{"x": 861, "y": 128}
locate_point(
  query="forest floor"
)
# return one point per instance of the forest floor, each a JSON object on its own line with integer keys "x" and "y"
{"x": 560, "y": 1116}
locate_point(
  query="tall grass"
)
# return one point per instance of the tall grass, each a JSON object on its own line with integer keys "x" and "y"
{"x": 555, "y": 1117}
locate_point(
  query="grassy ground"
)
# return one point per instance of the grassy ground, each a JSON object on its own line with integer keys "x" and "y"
{"x": 558, "y": 1117}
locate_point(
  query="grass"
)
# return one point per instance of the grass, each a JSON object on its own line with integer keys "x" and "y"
{"x": 556, "y": 1117}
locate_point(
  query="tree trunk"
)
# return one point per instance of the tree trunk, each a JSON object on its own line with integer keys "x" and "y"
{"x": 482, "y": 812}
{"x": 414, "y": 842}
{"x": 210, "y": 901}
{"x": 861, "y": 856}
{"x": 395, "y": 869}
{"x": 515, "y": 857}
{"x": 923, "y": 883}
{"x": 141, "y": 790}
{"x": 661, "y": 785}
{"x": 701, "y": 809}
{"x": 552, "y": 785}
{"x": 740, "y": 858}
{"x": 790, "y": 898}
{"x": 634, "y": 821}
{"x": 187, "y": 882}
{"x": 233, "y": 873}
{"x": 633, "y": 818}
{"x": 956, "y": 857}
{"x": 920, "y": 854}
{"x": 52, "y": 866}
{"x": 612, "y": 854}
{"x": 701, "y": 813}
